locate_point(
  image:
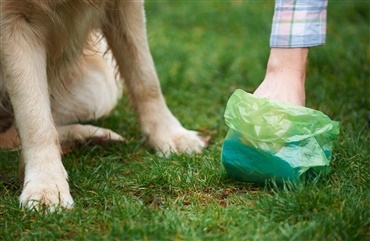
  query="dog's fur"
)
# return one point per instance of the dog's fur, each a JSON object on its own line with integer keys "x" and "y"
{"x": 56, "y": 70}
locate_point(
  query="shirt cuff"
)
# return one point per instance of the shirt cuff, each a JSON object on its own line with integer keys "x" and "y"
{"x": 299, "y": 23}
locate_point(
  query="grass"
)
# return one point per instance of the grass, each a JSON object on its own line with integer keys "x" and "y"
{"x": 203, "y": 51}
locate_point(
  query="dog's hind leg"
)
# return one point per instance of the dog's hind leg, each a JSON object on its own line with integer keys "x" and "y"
{"x": 89, "y": 93}
{"x": 24, "y": 63}
{"x": 126, "y": 36}
{"x": 9, "y": 139}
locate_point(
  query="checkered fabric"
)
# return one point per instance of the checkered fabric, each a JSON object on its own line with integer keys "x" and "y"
{"x": 299, "y": 23}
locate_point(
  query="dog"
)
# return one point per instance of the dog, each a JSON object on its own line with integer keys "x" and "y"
{"x": 61, "y": 62}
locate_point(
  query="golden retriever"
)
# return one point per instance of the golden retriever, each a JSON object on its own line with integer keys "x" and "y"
{"x": 60, "y": 61}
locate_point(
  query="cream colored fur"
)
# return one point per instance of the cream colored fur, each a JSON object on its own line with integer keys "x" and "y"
{"x": 58, "y": 70}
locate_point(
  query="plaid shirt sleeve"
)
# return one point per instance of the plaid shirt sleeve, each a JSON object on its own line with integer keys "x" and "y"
{"x": 299, "y": 23}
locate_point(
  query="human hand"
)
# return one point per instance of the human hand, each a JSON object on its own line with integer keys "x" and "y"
{"x": 285, "y": 76}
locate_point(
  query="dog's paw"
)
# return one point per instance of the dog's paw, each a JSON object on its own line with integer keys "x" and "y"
{"x": 179, "y": 140}
{"x": 82, "y": 133}
{"x": 51, "y": 194}
{"x": 69, "y": 135}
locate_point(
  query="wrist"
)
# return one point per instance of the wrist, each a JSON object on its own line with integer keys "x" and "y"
{"x": 289, "y": 62}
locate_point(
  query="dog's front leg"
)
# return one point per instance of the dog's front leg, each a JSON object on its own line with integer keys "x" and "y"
{"x": 24, "y": 61}
{"x": 126, "y": 35}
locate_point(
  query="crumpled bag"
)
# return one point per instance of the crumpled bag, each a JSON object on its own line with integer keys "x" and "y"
{"x": 270, "y": 139}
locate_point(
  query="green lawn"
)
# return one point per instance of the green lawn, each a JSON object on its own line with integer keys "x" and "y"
{"x": 203, "y": 51}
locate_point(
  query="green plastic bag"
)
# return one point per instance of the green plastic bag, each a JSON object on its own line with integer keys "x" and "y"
{"x": 270, "y": 139}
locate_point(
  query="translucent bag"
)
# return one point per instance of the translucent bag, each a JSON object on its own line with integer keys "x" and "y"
{"x": 269, "y": 139}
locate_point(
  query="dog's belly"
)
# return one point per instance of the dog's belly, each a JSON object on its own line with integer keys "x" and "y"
{"x": 70, "y": 32}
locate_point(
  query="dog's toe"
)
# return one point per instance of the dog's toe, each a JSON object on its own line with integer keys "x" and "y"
{"x": 181, "y": 141}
